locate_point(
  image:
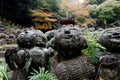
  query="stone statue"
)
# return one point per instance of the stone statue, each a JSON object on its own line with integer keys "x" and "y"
{"x": 10, "y": 56}
{"x": 19, "y": 72}
{"x": 30, "y": 54}
{"x": 30, "y": 38}
{"x": 40, "y": 57}
{"x": 69, "y": 63}
{"x": 110, "y": 39}
{"x": 110, "y": 64}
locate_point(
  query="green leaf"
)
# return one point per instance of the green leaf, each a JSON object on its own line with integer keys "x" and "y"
{"x": 3, "y": 70}
{"x": 42, "y": 74}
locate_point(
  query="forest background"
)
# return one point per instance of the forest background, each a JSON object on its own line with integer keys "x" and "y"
{"x": 42, "y": 13}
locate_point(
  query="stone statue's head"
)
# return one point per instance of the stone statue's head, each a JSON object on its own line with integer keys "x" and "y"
{"x": 69, "y": 38}
{"x": 31, "y": 38}
{"x": 110, "y": 39}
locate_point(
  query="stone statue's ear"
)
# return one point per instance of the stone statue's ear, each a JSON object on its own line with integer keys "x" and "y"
{"x": 85, "y": 45}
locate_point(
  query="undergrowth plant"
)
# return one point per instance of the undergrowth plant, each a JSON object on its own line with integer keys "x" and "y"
{"x": 42, "y": 74}
{"x": 93, "y": 46}
{"x": 3, "y": 71}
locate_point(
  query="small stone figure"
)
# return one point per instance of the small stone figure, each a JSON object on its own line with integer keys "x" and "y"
{"x": 40, "y": 57}
{"x": 19, "y": 72}
{"x": 110, "y": 64}
{"x": 10, "y": 56}
{"x": 69, "y": 62}
{"x": 3, "y": 35}
{"x": 30, "y": 53}
{"x": 11, "y": 39}
{"x": 35, "y": 42}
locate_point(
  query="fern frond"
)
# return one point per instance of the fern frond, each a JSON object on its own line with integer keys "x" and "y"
{"x": 42, "y": 74}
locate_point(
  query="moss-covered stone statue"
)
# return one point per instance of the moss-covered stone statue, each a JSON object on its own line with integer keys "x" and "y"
{"x": 10, "y": 57}
{"x": 40, "y": 57}
{"x": 110, "y": 64}
{"x": 110, "y": 39}
{"x": 69, "y": 63}
{"x": 30, "y": 54}
{"x": 30, "y": 38}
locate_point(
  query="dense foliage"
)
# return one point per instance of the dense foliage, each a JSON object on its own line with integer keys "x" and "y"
{"x": 16, "y": 11}
{"x": 93, "y": 45}
{"x": 96, "y": 1}
{"x": 43, "y": 20}
{"x": 44, "y": 5}
{"x": 107, "y": 12}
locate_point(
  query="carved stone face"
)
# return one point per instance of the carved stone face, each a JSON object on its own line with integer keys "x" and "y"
{"x": 68, "y": 38}
{"x": 30, "y": 38}
{"x": 39, "y": 56}
{"x": 110, "y": 39}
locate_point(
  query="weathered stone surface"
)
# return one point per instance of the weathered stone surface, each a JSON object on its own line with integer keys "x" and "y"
{"x": 110, "y": 39}
{"x": 110, "y": 70}
{"x": 10, "y": 57}
{"x": 40, "y": 57}
{"x": 50, "y": 34}
{"x": 75, "y": 69}
{"x": 31, "y": 38}
{"x": 69, "y": 63}
{"x": 69, "y": 38}
{"x": 110, "y": 64}
{"x": 68, "y": 41}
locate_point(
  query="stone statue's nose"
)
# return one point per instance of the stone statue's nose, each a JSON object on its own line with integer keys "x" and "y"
{"x": 67, "y": 32}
